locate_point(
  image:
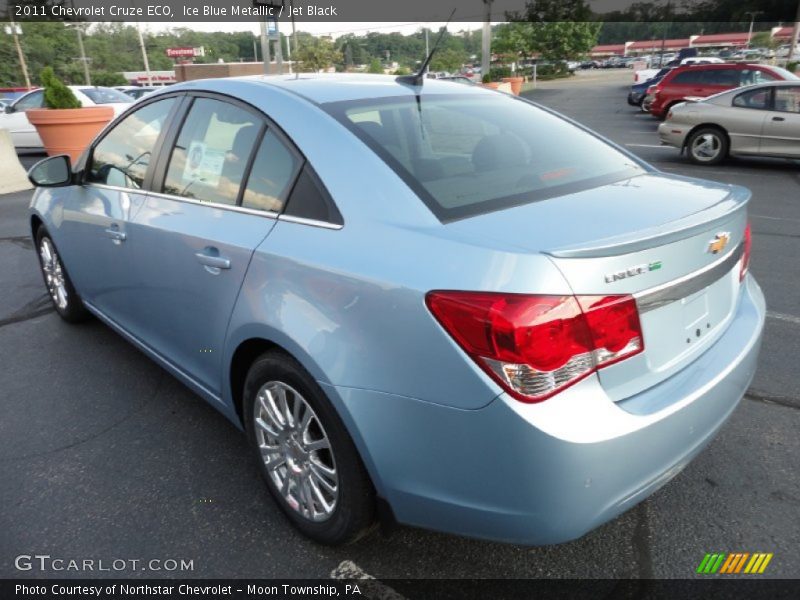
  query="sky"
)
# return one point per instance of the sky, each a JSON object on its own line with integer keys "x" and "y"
{"x": 334, "y": 29}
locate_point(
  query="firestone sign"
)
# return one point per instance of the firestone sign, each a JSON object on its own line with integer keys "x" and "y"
{"x": 185, "y": 52}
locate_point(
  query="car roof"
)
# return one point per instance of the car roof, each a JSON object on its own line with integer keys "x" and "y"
{"x": 323, "y": 88}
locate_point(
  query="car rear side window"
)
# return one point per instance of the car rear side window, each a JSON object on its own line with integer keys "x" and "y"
{"x": 755, "y": 76}
{"x": 121, "y": 158}
{"x": 211, "y": 154}
{"x": 466, "y": 154}
{"x": 271, "y": 176}
{"x": 758, "y": 99}
{"x": 310, "y": 200}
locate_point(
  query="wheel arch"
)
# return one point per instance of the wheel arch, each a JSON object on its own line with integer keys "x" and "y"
{"x": 248, "y": 349}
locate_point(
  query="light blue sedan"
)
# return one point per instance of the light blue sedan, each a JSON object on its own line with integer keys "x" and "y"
{"x": 435, "y": 304}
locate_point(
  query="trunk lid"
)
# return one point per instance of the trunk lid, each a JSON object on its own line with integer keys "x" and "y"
{"x": 672, "y": 242}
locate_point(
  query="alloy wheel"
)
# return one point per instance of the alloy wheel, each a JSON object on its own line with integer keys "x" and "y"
{"x": 706, "y": 147}
{"x": 296, "y": 451}
{"x": 53, "y": 273}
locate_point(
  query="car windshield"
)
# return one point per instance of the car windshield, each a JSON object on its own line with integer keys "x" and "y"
{"x": 104, "y": 95}
{"x": 470, "y": 154}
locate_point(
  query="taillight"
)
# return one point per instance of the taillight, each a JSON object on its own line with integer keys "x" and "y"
{"x": 536, "y": 346}
{"x": 748, "y": 243}
{"x": 669, "y": 116}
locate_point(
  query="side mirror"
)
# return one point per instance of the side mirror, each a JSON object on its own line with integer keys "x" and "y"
{"x": 55, "y": 171}
{"x": 9, "y": 109}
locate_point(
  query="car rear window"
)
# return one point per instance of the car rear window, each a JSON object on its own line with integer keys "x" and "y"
{"x": 466, "y": 155}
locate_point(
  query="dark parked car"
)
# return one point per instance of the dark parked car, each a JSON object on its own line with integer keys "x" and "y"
{"x": 638, "y": 91}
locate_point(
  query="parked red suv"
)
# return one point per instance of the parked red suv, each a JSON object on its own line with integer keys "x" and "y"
{"x": 705, "y": 80}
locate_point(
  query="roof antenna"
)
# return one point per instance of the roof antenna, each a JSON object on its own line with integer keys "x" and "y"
{"x": 419, "y": 77}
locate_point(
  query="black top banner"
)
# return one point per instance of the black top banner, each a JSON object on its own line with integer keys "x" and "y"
{"x": 400, "y": 12}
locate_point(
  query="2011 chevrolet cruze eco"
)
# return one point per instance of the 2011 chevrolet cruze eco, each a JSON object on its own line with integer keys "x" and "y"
{"x": 435, "y": 303}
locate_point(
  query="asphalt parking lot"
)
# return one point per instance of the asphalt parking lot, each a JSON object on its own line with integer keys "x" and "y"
{"x": 103, "y": 455}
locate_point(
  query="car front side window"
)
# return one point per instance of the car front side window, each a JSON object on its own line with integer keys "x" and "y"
{"x": 787, "y": 99}
{"x": 210, "y": 156}
{"x": 121, "y": 158}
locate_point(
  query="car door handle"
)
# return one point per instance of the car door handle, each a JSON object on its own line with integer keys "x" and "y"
{"x": 778, "y": 119}
{"x": 116, "y": 235}
{"x": 216, "y": 262}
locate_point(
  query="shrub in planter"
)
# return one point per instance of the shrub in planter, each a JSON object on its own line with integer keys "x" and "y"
{"x": 64, "y": 125}
{"x": 56, "y": 94}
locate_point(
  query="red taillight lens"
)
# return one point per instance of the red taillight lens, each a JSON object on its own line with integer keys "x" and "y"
{"x": 535, "y": 346}
{"x": 748, "y": 243}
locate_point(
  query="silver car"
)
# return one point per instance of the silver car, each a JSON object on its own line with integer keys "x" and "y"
{"x": 758, "y": 120}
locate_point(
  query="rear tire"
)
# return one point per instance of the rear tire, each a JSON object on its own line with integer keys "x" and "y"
{"x": 707, "y": 146}
{"x": 65, "y": 299}
{"x": 310, "y": 464}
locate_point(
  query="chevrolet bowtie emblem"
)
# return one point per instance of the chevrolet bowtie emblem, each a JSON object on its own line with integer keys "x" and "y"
{"x": 719, "y": 242}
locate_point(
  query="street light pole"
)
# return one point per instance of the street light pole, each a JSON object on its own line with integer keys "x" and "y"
{"x": 15, "y": 30}
{"x": 664, "y": 36}
{"x": 752, "y": 14}
{"x": 795, "y": 34}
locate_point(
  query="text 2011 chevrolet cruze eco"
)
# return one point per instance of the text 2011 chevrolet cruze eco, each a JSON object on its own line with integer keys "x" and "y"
{"x": 434, "y": 303}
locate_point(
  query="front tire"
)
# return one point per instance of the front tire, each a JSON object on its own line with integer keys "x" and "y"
{"x": 310, "y": 464}
{"x": 707, "y": 146}
{"x": 66, "y": 301}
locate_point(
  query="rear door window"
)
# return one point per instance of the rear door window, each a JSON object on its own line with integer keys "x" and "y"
{"x": 273, "y": 172}
{"x": 32, "y": 100}
{"x": 212, "y": 152}
{"x": 686, "y": 78}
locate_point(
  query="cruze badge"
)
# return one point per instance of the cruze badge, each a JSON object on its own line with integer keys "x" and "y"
{"x": 633, "y": 271}
{"x": 719, "y": 242}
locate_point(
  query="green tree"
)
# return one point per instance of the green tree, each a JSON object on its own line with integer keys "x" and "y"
{"x": 555, "y": 29}
{"x": 108, "y": 78}
{"x": 316, "y": 54}
{"x": 375, "y": 66}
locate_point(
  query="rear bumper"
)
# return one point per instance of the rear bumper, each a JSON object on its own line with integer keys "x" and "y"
{"x": 549, "y": 472}
{"x": 672, "y": 135}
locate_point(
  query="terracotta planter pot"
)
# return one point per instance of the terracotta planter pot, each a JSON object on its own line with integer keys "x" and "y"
{"x": 71, "y": 130}
{"x": 516, "y": 84}
{"x": 492, "y": 85}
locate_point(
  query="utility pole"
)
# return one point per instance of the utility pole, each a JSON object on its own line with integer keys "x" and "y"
{"x": 278, "y": 48}
{"x": 87, "y": 78}
{"x": 664, "y": 37}
{"x": 752, "y": 14}
{"x": 255, "y": 50}
{"x": 15, "y": 31}
{"x": 795, "y": 32}
{"x": 294, "y": 33}
{"x": 144, "y": 55}
{"x": 265, "y": 45}
{"x": 486, "y": 39}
